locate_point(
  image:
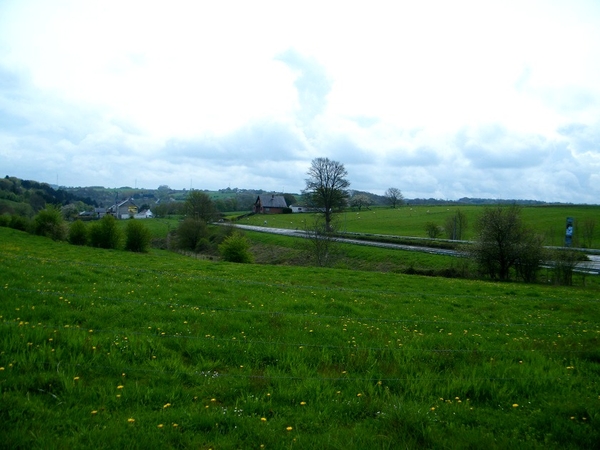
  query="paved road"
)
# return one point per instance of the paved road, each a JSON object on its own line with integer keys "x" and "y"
{"x": 300, "y": 233}
{"x": 592, "y": 266}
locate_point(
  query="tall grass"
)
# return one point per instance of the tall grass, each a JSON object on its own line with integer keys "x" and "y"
{"x": 119, "y": 350}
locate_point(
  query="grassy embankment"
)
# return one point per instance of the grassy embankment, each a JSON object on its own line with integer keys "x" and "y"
{"x": 119, "y": 350}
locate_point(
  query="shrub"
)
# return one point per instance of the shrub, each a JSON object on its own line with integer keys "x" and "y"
{"x": 203, "y": 245}
{"x": 105, "y": 233}
{"x": 49, "y": 223}
{"x": 137, "y": 236}
{"x": 4, "y": 220}
{"x": 530, "y": 256}
{"x": 433, "y": 230}
{"x": 189, "y": 232}
{"x": 78, "y": 234}
{"x": 19, "y": 222}
{"x": 564, "y": 263}
{"x": 236, "y": 248}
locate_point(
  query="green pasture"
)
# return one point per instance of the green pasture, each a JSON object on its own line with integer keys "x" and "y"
{"x": 550, "y": 221}
{"x": 111, "y": 349}
{"x": 277, "y": 249}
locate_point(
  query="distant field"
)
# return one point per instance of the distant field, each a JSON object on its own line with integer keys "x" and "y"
{"x": 549, "y": 221}
{"x": 110, "y": 349}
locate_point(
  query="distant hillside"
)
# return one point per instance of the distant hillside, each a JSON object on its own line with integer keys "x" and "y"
{"x": 27, "y": 197}
{"x": 225, "y": 200}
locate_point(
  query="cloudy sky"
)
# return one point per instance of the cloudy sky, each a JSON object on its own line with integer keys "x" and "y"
{"x": 440, "y": 99}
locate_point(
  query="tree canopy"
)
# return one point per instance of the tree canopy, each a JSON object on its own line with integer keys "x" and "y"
{"x": 199, "y": 205}
{"x": 327, "y": 187}
{"x": 394, "y": 196}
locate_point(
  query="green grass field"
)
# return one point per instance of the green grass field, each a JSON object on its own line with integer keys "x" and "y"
{"x": 550, "y": 221}
{"x": 111, "y": 349}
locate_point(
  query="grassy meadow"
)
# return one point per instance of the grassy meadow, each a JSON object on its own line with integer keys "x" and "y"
{"x": 549, "y": 221}
{"x": 112, "y": 349}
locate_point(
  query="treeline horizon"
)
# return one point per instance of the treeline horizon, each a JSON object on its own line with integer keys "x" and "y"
{"x": 27, "y": 197}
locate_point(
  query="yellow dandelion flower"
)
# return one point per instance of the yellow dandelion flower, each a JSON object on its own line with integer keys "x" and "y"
{"x": 120, "y": 386}
{"x": 303, "y": 403}
{"x": 94, "y": 412}
{"x": 175, "y": 425}
{"x": 76, "y": 378}
{"x": 359, "y": 394}
{"x": 213, "y": 399}
{"x": 289, "y": 428}
{"x": 432, "y": 408}
{"x": 515, "y": 405}
{"x": 263, "y": 419}
{"x": 167, "y": 405}
{"x": 160, "y": 425}
{"x": 131, "y": 420}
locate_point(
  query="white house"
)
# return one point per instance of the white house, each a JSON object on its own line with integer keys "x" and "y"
{"x": 145, "y": 214}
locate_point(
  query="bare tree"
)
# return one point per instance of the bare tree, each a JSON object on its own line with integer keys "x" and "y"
{"x": 394, "y": 196}
{"x": 456, "y": 225}
{"x": 321, "y": 246}
{"x": 326, "y": 187}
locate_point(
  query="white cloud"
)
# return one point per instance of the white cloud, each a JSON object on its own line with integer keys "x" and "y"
{"x": 441, "y": 99}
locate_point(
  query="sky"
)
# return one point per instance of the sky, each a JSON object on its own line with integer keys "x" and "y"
{"x": 439, "y": 99}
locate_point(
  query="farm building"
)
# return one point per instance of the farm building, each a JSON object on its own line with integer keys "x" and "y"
{"x": 269, "y": 204}
{"x": 123, "y": 210}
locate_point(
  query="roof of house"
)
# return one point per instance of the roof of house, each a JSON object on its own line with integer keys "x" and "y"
{"x": 272, "y": 201}
{"x": 124, "y": 202}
